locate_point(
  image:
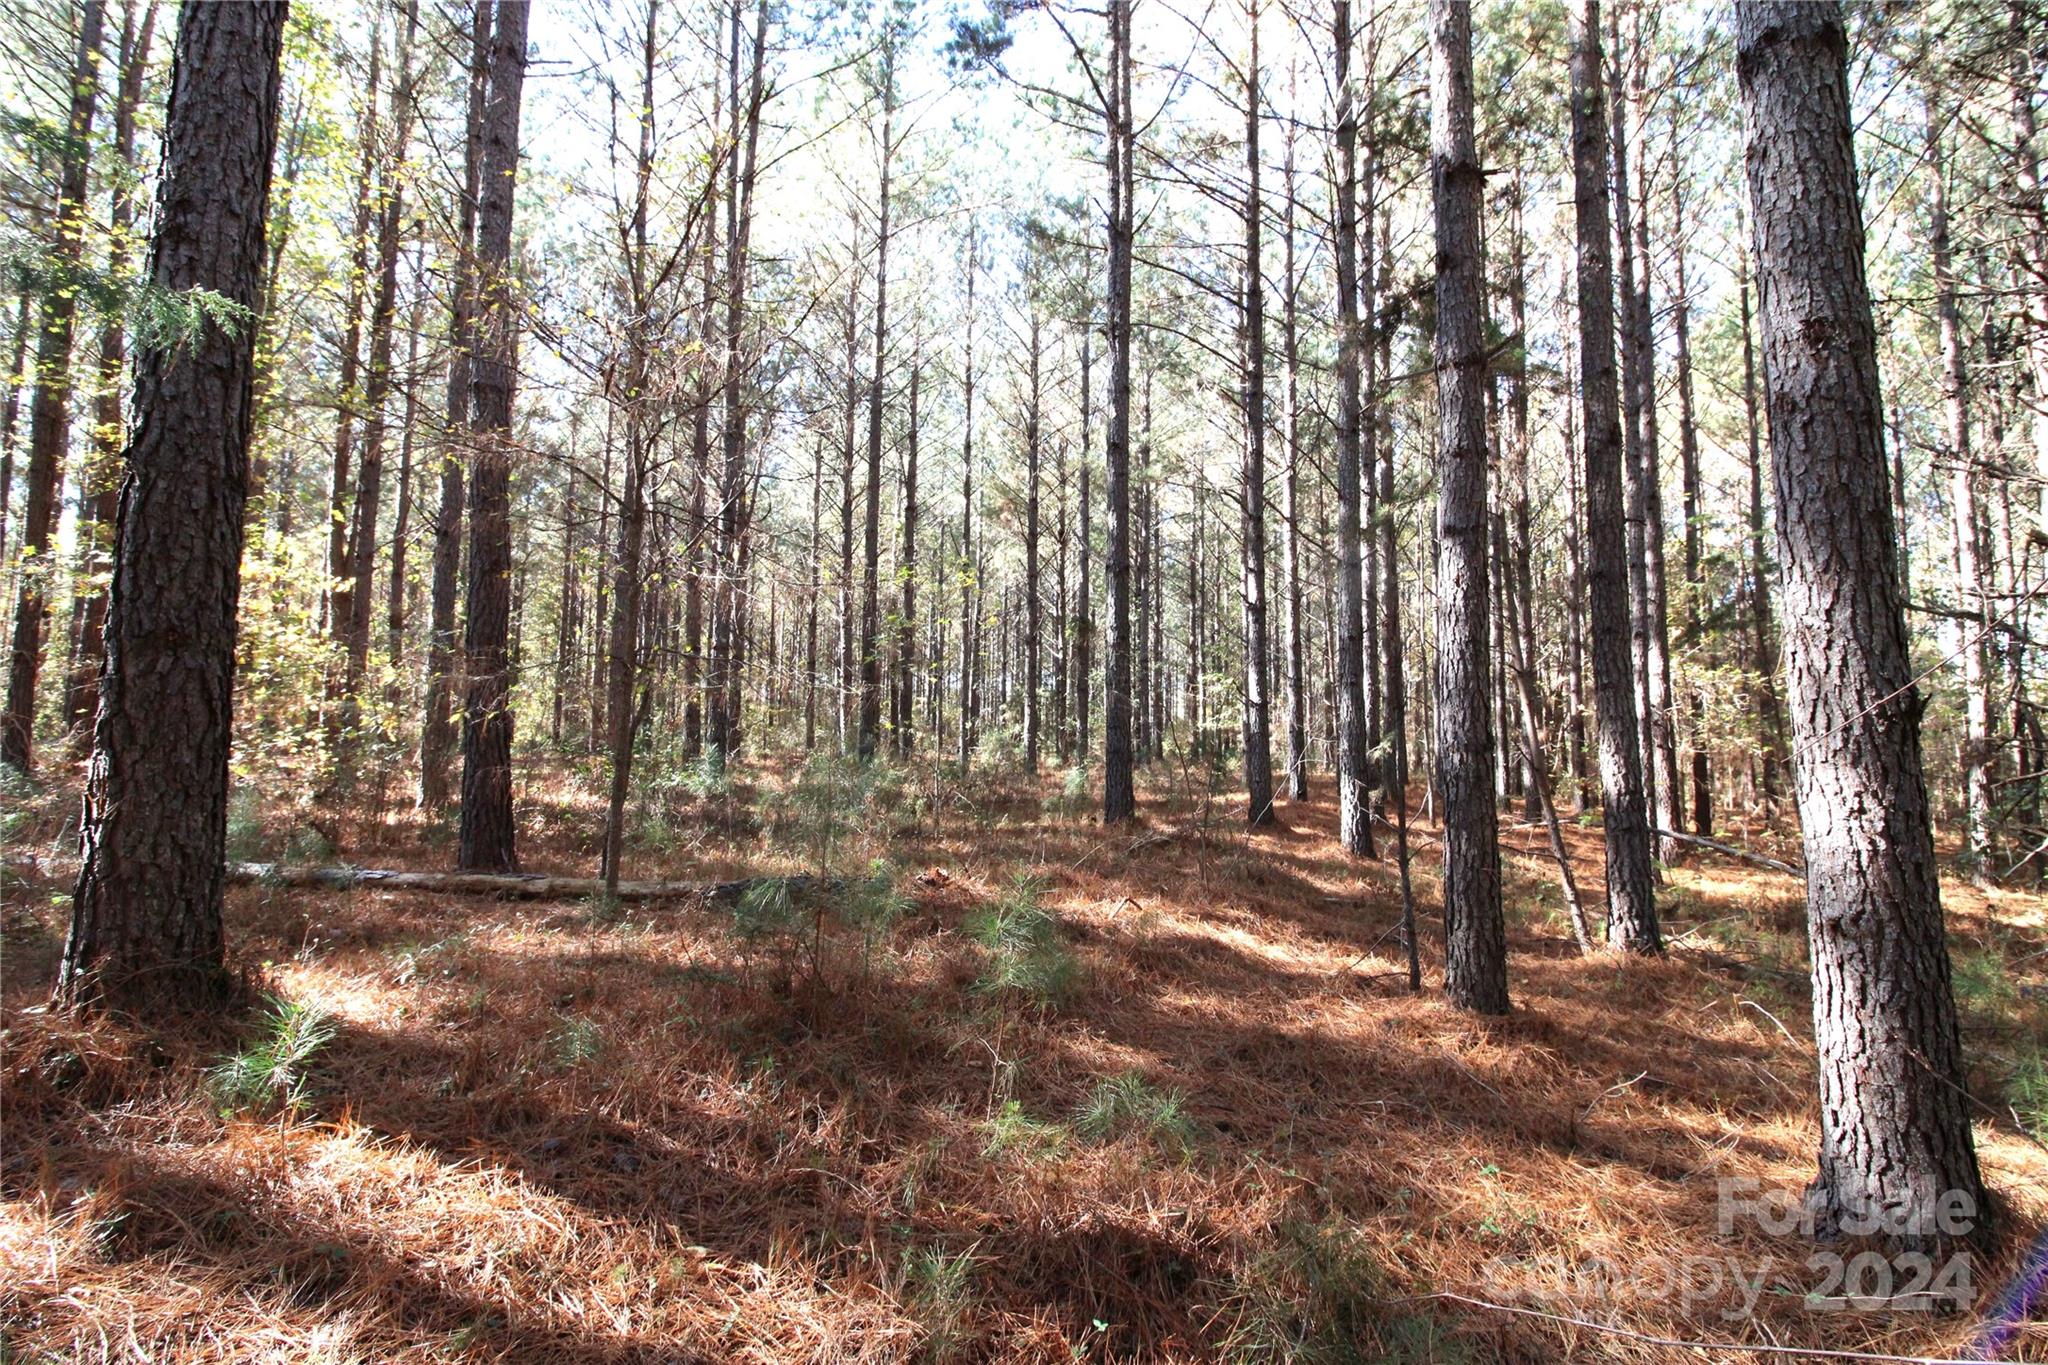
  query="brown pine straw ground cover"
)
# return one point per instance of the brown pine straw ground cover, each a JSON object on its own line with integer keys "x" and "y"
{"x": 567, "y": 1132}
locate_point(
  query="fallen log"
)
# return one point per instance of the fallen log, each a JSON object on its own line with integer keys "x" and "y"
{"x": 535, "y": 886}
{"x": 1731, "y": 851}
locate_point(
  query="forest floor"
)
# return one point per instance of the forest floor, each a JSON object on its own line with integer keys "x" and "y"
{"x": 1201, "y": 1118}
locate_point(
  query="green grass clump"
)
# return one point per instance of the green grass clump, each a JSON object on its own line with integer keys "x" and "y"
{"x": 1130, "y": 1106}
{"x": 1024, "y": 953}
{"x": 1010, "y": 1129}
{"x": 271, "y": 1071}
{"x": 1309, "y": 1299}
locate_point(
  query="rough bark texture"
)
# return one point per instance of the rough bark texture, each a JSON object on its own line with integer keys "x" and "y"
{"x": 50, "y": 409}
{"x": 146, "y": 918}
{"x": 1895, "y": 1130}
{"x": 1631, "y": 909}
{"x": 1354, "y": 758}
{"x": 1475, "y": 938}
{"x": 486, "y": 839}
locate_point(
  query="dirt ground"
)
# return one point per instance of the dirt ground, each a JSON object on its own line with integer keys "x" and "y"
{"x": 1222, "y": 1128}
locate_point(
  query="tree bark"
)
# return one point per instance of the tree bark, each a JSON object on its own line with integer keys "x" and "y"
{"x": 146, "y": 915}
{"x": 1631, "y": 908}
{"x": 1119, "y": 797}
{"x": 869, "y": 740}
{"x": 1355, "y": 778}
{"x": 1895, "y": 1129}
{"x": 1258, "y": 707}
{"x": 1475, "y": 935}
{"x": 486, "y": 838}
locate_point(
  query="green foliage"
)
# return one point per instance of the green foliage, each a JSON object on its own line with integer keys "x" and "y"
{"x": 272, "y": 1069}
{"x": 1982, "y": 983}
{"x": 1308, "y": 1299}
{"x": 937, "y": 1286}
{"x": 576, "y": 1042}
{"x": 245, "y": 826}
{"x": 824, "y": 808}
{"x": 2028, "y": 1093}
{"x": 1129, "y": 1106}
{"x": 766, "y": 910}
{"x": 1025, "y": 957}
{"x": 1073, "y": 801}
{"x": 873, "y": 905}
{"x": 1010, "y": 1129}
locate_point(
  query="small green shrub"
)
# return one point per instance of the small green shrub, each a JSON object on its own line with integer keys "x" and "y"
{"x": 1129, "y": 1106}
{"x": 1010, "y": 1129}
{"x": 1025, "y": 955}
{"x": 1309, "y": 1299}
{"x": 1073, "y": 800}
{"x": 938, "y": 1287}
{"x": 2028, "y": 1094}
{"x": 576, "y": 1042}
{"x": 272, "y": 1069}
{"x": 245, "y": 826}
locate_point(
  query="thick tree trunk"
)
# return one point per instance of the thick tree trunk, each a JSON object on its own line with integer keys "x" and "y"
{"x": 437, "y": 732}
{"x": 1475, "y": 936}
{"x": 50, "y": 408}
{"x": 1631, "y": 909}
{"x": 1895, "y": 1127}
{"x": 146, "y": 916}
{"x": 485, "y": 842}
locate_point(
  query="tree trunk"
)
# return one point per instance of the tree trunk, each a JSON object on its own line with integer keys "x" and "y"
{"x": 50, "y": 408}
{"x": 1258, "y": 708}
{"x": 1119, "y": 797}
{"x": 1297, "y": 682}
{"x": 99, "y": 492}
{"x": 871, "y": 543}
{"x": 1695, "y": 571}
{"x": 437, "y": 732}
{"x": 1895, "y": 1129}
{"x": 333, "y": 615}
{"x": 486, "y": 838}
{"x": 146, "y": 916}
{"x": 1763, "y": 640}
{"x": 1631, "y": 908}
{"x": 906, "y": 627}
{"x": 358, "y": 597}
{"x": 1970, "y": 597}
{"x": 1355, "y": 778}
{"x": 1475, "y": 936}
{"x": 1032, "y": 435}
